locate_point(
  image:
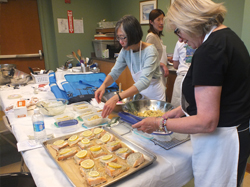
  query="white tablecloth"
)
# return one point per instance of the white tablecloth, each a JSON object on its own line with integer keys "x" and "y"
{"x": 172, "y": 167}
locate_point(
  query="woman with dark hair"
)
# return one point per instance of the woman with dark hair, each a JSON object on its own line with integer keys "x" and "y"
{"x": 156, "y": 21}
{"x": 142, "y": 60}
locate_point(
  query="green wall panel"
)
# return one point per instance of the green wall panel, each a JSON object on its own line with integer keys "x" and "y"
{"x": 57, "y": 45}
{"x": 91, "y": 11}
{"x": 246, "y": 25}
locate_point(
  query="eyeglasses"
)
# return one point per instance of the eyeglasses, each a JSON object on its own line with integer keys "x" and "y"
{"x": 121, "y": 38}
{"x": 177, "y": 32}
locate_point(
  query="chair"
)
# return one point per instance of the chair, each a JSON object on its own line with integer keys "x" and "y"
{"x": 17, "y": 180}
{"x": 6, "y": 129}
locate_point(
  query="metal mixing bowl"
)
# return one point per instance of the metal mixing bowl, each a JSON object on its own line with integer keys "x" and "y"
{"x": 133, "y": 107}
{"x": 119, "y": 105}
{"x": 6, "y": 73}
{"x": 7, "y": 70}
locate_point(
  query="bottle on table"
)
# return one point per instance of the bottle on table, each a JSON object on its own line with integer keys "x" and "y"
{"x": 38, "y": 126}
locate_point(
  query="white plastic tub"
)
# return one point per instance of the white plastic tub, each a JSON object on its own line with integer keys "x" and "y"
{"x": 88, "y": 112}
{"x": 82, "y": 107}
{"x": 90, "y": 123}
{"x": 65, "y": 116}
{"x": 68, "y": 126}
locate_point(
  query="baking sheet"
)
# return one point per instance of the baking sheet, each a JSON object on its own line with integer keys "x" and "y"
{"x": 72, "y": 170}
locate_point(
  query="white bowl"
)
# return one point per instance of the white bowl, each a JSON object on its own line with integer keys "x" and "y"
{"x": 52, "y": 107}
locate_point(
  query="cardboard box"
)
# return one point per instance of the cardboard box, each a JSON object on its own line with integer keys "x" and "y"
{"x": 20, "y": 109}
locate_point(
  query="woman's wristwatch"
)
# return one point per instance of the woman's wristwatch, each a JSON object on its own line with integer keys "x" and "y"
{"x": 120, "y": 99}
{"x": 163, "y": 125}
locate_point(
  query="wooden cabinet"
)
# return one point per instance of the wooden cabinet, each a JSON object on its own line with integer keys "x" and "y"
{"x": 125, "y": 78}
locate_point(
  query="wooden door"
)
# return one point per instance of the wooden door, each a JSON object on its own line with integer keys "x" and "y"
{"x": 20, "y": 33}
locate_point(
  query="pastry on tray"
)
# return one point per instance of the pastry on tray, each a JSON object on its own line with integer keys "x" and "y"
{"x": 85, "y": 143}
{"x": 87, "y": 166}
{"x": 107, "y": 137}
{"x": 114, "y": 145}
{"x": 81, "y": 156}
{"x": 135, "y": 159}
{"x": 88, "y": 134}
{"x": 65, "y": 153}
{"x": 123, "y": 152}
{"x": 114, "y": 169}
{"x": 59, "y": 144}
{"x": 94, "y": 178}
{"x": 97, "y": 151}
{"x": 99, "y": 132}
{"x": 104, "y": 160}
{"x": 73, "y": 140}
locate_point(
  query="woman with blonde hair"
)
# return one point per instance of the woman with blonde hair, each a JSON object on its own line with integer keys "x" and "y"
{"x": 215, "y": 94}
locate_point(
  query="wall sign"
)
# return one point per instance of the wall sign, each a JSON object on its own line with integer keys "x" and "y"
{"x": 70, "y": 21}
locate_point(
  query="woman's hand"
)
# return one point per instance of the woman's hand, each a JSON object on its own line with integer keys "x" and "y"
{"x": 148, "y": 125}
{"x": 109, "y": 106}
{"x": 165, "y": 69}
{"x": 175, "y": 113}
{"x": 170, "y": 59}
{"x": 99, "y": 93}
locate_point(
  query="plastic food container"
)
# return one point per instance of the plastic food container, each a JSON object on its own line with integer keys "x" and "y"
{"x": 68, "y": 125}
{"x": 162, "y": 136}
{"x": 40, "y": 79}
{"x": 88, "y": 112}
{"x": 180, "y": 136}
{"x": 94, "y": 120}
{"x": 64, "y": 117}
{"x": 82, "y": 107}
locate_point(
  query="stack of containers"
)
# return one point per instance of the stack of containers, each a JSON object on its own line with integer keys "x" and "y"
{"x": 66, "y": 122}
{"x": 88, "y": 114}
{"x": 101, "y": 42}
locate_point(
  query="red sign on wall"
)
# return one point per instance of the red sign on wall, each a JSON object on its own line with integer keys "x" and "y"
{"x": 70, "y": 21}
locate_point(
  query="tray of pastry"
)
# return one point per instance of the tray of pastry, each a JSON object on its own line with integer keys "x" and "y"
{"x": 97, "y": 156}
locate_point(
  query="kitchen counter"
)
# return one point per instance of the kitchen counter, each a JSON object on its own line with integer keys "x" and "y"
{"x": 172, "y": 168}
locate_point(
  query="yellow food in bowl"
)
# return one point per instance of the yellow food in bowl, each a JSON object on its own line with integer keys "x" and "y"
{"x": 150, "y": 113}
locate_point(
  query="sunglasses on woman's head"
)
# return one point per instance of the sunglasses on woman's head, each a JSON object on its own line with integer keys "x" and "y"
{"x": 177, "y": 32}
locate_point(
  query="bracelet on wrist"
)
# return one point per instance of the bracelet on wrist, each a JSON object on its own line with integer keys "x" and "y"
{"x": 163, "y": 125}
{"x": 120, "y": 99}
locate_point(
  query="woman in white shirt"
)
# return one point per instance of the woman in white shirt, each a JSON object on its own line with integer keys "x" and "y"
{"x": 156, "y": 20}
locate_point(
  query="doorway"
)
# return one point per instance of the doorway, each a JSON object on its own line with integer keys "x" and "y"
{"x": 20, "y": 33}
